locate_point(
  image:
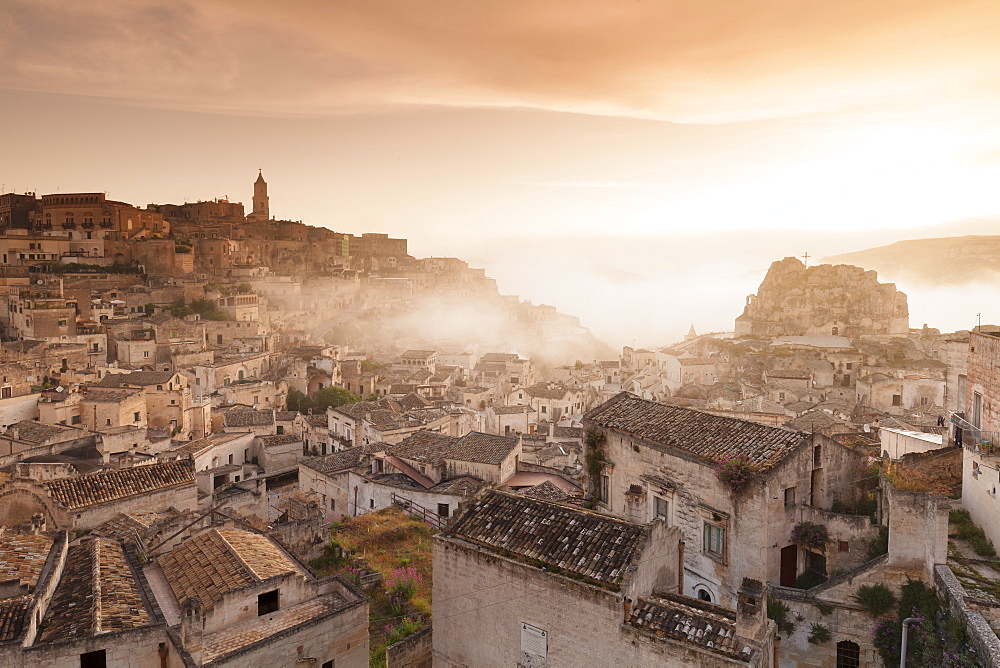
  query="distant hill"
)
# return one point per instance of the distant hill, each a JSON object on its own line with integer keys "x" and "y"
{"x": 945, "y": 261}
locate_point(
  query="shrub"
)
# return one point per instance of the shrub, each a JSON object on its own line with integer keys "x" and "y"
{"x": 878, "y": 545}
{"x": 824, "y": 608}
{"x": 736, "y": 472}
{"x": 819, "y": 635}
{"x": 810, "y": 534}
{"x": 886, "y": 636}
{"x": 778, "y": 611}
{"x": 403, "y": 582}
{"x": 983, "y": 546}
{"x": 877, "y": 599}
{"x": 808, "y": 580}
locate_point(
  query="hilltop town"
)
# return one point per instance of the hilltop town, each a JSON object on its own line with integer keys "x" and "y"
{"x": 207, "y": 415}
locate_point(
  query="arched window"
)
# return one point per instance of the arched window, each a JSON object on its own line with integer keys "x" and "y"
{"x": 848, "y": 654}
{"x": 704, "y": 594}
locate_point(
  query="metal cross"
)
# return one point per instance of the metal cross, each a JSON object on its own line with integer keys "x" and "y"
{"x": 806, "y": 258}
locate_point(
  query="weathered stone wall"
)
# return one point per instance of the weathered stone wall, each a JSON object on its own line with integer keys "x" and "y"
{"x": 414, "y": 651}
{"x": 826, "y": 299}
{"x": 981, "y": 635}
{"x": 481, "y": 600}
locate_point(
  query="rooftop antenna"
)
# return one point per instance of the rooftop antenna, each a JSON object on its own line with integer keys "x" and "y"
{"x": 806, "y": 258}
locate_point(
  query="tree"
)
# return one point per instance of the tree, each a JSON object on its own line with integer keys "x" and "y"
{"x": 244, "y": 288}
{"x": 297, "y": 401}
{"x": 332, "y": 397}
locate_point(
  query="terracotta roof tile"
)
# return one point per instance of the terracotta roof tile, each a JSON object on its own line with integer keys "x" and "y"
{"x": 247, "y": 418}
{"x": 22, "y": 557}
{"x": 579, "y": 542}
{"x": 14, "y": 617}
{"x": 89, "y": 490}
{"x": 482, "y": 448}
{"x": 216, "y": 561}
{"x": 708, "y": 626}
{"x": 98, "y": 593}
{"x": 547, "y": 491}
{"x": 703, "y": 434}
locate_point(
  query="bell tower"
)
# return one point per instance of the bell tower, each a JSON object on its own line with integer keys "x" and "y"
{"x": 260, "y": 209}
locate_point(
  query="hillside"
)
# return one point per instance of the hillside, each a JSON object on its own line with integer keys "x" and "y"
{"x": 943, "y": 261}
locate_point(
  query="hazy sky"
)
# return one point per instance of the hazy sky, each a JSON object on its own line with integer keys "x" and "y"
{"x": 502, "y": 130}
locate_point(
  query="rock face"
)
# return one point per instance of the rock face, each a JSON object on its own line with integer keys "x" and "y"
{"x": 843, "y": 300}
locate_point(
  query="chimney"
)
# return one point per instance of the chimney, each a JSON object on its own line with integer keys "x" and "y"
{"x": 192, "y": 629}
{"x": 37, "y": 523}
{"x": 627, "y": 604}
{"x": 750, "y": 609}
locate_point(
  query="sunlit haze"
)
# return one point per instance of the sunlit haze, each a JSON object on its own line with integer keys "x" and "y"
{"x": 636, "y": 164}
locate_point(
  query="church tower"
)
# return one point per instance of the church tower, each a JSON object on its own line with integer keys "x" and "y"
{"x": 260, "y": 209}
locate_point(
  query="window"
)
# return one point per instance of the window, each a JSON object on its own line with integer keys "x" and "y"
{"x": 145, "y": 353}
{"x": 333, "y": 504}
{"x": 848, "y": 654}
{"x": 159, "y": 387}
{"x": 371, "y": 503}
{"x": 843, "y": 546}
{"x": 281, "y": 429}
{"x": 76, "y": 419}
{"x": 817, "y": 455}
{"x": 443, "y": 510}
{"x": 605, "y": 489}
{"x": 109, "y": 421}
{"x": 897, "y": 400}
{"x": 267, "y": 602}
{"x": 704, "y": 594}
{"x": 96, "y": 659}
{"x": 246, "y": 455}
{"x": 789, "y": 496}
{"x": 135, "y": 416}
{"x": 714, "y": 540}
{"x": 230, "y": 459}
{"x": 850, "y": 365}
{"x": 661, "y": 508}
{"x": 544, "y": 409}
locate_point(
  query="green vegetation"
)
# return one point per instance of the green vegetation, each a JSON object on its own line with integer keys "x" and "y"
{"x": 399, "y": 547}
{"x": 808, "y": 580}
{"x": 824, "y": 608}
{"x": 819, "y": 635}
{"x": 778, "y": 611}
{"x": 856, "y": 507}
{"x": 935, "y": 639}
{"x": 974, "y": 535}
{"x": 320, "y": 401}
{"x": 878, "y": 545}
{"x": 877, "y": 599}
{"x": 80, "y": 268}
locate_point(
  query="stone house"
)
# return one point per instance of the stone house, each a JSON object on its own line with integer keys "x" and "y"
{"x": 258, "y": 422}
{"x": 524, "y": 581}
{"x": 104, "y": 408}
{"x": 214, "y": 450}
{"x": 279, "y": 451}
{"x": 660, "y": 460}
{"x": 83, "y": 502}
{"x": 898, "y": 394}
{"x": 509, "y": 420}
{"x": 169, "y": 401}
{"x": 28, "y": 438}
{"x": 550, "y": 401}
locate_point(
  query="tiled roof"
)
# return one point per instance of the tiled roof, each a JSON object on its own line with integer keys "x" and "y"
{"x": 703, "y": 434}
{"x": 418, "y": 354}
{"x": 14, "y": 617}
{"x": 288, "y": 416}
{"x": 544, "y": 391}
{"x": 412, "y": 401}
{"x": 33, "y": 431}
{"x": 98, "y": 593}
{"x": 512, "y": 410}
{"x": 136, "y": 378}
{"x": 465, "y": 485}
{"x": 233, "y": 638}
{"x": 280, "y": 439}
{"x": 89, "y": 490}
{"x": 194, "y": 447}
{"x": 708, "y": 626}
{"x": 248, "y": 418}
{"x": 216, "y": 561}
{"x": 482, "y": 448}
{"x": 579, "y": 542}
{"x": 22, "y": 557}
{"x": 318, "y": 420}
{"x": 108, "y": 396}
{"x": 499, "y": 357}
{"x": 568, "y": 432}
{"x": 123, "y": 526}
{"x": 696, "y": 361}
{"x": 424, "y": 446}
{"x": 337, "y": 461}
{"x": 547, "y": 491}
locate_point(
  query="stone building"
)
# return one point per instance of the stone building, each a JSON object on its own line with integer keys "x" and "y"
{"x": 523, "y": 581}
{"x": 839, "y": 300}
{"x": 83, "y": 502}
{"x": 659, "y": 460}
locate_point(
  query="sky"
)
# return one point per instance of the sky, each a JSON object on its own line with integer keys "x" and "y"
{"x": 637, "y": 163}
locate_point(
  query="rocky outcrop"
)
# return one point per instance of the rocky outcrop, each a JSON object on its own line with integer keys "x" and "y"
{"x": 795, "y": 300}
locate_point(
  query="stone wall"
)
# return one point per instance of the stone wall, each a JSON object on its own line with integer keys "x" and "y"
{"x": 414, "y": 651}
{"x": 981, "y": 635}
{"x": 825, "y": 299}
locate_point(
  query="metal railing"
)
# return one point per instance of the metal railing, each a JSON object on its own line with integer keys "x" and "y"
{"x": 415, "y": 509}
